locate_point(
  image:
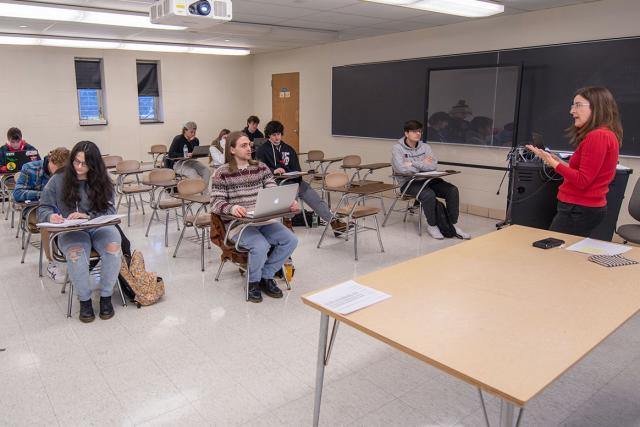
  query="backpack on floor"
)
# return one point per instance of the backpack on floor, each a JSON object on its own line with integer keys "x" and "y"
{"x": 443, "y": 222}
{"x": 147, "y": 287}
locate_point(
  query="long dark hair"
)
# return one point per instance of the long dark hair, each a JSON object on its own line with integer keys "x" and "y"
{"x": 99, "y": 186}
{"x": 232, "y": 139}
{"x": 604, "y": 113}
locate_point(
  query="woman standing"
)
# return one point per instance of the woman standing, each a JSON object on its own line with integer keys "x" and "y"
{"x": 216, "y": 150}
{"x": 597, "y": 133}
{"x": 84, "y": 190}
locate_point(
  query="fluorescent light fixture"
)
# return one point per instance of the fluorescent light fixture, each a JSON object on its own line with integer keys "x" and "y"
{"x": 468, "y": 8}
{"x": 25, "y": 11}
{"x": 85, "y": 44}
{"x": 110, "y": 44}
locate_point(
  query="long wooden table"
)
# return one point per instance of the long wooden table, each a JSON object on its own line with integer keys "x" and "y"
{"x": 495, "y": 312}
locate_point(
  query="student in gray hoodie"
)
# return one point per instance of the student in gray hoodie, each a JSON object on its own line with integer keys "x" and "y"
{"x": 410, "y": 155}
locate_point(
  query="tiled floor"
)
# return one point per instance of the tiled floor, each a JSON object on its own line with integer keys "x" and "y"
{"x": 203, "y": 356}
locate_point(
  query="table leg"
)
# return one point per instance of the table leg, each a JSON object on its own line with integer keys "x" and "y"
{"x": 507, "y": 410}
{"x": 322, "y": 349}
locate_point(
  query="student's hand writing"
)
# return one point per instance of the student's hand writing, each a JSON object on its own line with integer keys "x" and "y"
{"x": 294, "y": 206}
{"x": 78, "y": 215}
{"x": 56, "y": 219}
{"x": 278, "y": 171}
{"x": 238, "y": 211}
{"x": 547, "y": 158}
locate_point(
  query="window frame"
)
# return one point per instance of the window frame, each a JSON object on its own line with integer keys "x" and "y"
{"x": 102, "y": 120}
{"x": 157, "y": 99}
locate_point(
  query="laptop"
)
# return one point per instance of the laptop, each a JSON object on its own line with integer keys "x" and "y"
{"x": 274, "y": 200}
{"x": 200, "y": 151}
{"x": 16, "y": 159}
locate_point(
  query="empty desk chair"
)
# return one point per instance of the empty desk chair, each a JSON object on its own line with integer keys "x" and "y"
{"x": 631, "y": 232}
{"x": 162, "y": 180}
{"x": 159, "y": 153}
{"x": 351, "y": 207}
{"x": 129, "y": 190}
{"x": 190, "y": 192}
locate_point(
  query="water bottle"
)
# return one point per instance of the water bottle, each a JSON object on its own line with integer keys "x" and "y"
{"x": 185, "y": 150}
{"x": 314, "y": 220}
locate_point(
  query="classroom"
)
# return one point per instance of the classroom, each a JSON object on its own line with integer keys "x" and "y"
{"x": 442, "y": 165}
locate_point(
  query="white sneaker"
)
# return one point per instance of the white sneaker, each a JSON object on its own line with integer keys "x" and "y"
{"x": 54, "y": 273}
{"x": 434, "y": 232}
{"x": 461, "y": 233}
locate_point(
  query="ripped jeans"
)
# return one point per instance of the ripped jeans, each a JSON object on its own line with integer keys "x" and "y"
{"x": 76, "y": 247}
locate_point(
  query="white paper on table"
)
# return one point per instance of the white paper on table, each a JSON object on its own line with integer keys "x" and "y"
{"x": 598, "y": 247}
{"x": 348, "y": 297}
{"x": 431, "y": 173}
{"x": 65, "y": 224}
{"x": 103, "y": 219}
{"x": 290, "y": 173}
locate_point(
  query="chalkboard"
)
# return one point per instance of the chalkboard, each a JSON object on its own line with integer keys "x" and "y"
{"x": 374, "y": 100}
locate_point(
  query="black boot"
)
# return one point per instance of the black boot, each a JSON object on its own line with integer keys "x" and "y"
{"x": 106, "y": 309}
{"x": 86, "y": 311}
{"x": 270, "y": 288}
{"x": 254, "y": 292}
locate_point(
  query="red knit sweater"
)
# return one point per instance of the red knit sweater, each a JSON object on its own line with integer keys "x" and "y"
{"x": 591, "y": 168}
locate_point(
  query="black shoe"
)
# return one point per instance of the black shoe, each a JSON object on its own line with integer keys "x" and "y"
{"x": 86, "y": 311}
{"x": 254, "y": 292}
{"x": 106, "y": 309}
{"x": 270, "y": 288}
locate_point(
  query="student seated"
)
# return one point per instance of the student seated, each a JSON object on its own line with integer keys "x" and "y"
{"x": 234, "y": 191}
{"x": 33, "y": 177}
{"x": 411, "y": 155}
{"x": 216, "y": 150}
{"x": 281, "y": 158}
{"x": 14, "y": 143}
{"x": 190, "y": 168}
{"x": 251, "y": 130}
{"x": 84, "y": 190}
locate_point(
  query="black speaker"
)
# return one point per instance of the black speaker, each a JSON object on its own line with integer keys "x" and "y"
{"x": 534, "y": 192}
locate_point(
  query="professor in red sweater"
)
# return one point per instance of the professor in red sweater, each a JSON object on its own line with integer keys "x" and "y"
{"x": 597, "y": 133}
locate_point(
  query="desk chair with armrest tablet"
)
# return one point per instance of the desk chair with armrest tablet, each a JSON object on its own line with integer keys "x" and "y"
{"x": 49, "y": 240}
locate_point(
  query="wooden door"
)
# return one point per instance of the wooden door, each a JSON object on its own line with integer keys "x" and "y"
{"x": 285, "y": 105}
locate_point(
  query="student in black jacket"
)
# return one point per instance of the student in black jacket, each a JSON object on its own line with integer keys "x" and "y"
{"x": 281, "y": 158}
{"x": 251, "y": 130}
{"x": 190, "y": 168}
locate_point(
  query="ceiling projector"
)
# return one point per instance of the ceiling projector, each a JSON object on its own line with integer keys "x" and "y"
{"x": 190, "y": 13}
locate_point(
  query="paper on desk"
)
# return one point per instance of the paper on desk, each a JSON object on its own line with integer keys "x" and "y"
{"x": 65, "y": 224}
{"x": 103, "y": 219}
{"x": 598, "y": 247}
{"x": 348, "y": 297}
{"x": 290, "y": 173}
{"x": 73, "y": 222}
{"x": 431, "y": 173}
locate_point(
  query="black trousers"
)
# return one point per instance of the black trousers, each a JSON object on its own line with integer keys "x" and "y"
{"x": 577, "y": 220}
{"x": 436, "y": 188}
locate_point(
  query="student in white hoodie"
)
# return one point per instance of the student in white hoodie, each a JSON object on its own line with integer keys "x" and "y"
{"x": 216, "y": 150}
{"x": 410, "y": 155}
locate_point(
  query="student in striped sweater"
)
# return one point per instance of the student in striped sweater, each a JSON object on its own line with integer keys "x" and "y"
{"x": 234, "y": 190}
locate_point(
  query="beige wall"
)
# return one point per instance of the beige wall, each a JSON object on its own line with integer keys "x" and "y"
{"x": 599, "y": 20}
{"x": 38, "y": 95}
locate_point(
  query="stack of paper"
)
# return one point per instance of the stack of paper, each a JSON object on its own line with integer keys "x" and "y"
{"x": 348, "y": 297}
{"x": 73, "y": 222}
{"x": 598, "y": 247}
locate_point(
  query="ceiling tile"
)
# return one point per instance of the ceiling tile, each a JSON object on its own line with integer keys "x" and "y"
{"x": 382, "y": 11}
{"x": 255, "y": 8}
{"x": 343, "y": 19}
{"x": 311, "y": 4}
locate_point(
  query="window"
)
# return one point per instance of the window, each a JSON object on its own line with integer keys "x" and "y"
{"x": 89, "y": 86}
{"x": 149, "y": 108}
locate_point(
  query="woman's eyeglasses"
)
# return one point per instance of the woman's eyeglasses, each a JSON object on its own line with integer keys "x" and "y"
{"x": 578, "y": 105}
{"x": 79, "y": 164}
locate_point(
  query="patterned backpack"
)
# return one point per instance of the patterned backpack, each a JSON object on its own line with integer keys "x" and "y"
{"x": 147, "y": 287}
